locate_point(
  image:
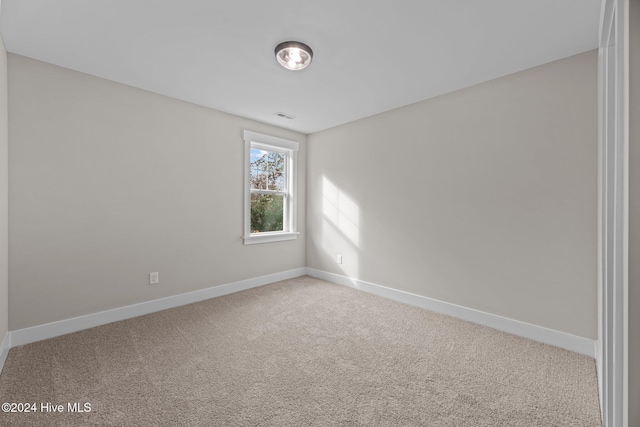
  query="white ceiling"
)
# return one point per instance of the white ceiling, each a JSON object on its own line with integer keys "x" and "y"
{"x": 370, "y": 56}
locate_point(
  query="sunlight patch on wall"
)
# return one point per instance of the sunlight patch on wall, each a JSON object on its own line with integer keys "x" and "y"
{"x": 341, "y": 211}
{"x": 340, "y": 228}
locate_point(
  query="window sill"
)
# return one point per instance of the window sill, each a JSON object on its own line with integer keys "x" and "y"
{"x": 270, "y": 237}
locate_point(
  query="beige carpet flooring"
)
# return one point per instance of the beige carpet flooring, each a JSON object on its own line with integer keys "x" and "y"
{"x": 301, "y": 352}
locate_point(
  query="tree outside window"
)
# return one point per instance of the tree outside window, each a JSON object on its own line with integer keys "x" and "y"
{"x": 268, "y": 190}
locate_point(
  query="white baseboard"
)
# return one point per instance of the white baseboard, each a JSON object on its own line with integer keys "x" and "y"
{"x": 537, "y": 333}
{"x": 54, "y": 329}
{"x": 4, "y": 349}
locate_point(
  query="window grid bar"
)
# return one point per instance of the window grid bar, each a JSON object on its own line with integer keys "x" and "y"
{"x": 273, "y": 192}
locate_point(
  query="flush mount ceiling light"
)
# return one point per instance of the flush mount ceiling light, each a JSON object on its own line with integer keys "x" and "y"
{"x": 294, "y": 55}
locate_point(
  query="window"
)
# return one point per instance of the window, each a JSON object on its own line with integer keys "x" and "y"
{"x": 270, "y": 189}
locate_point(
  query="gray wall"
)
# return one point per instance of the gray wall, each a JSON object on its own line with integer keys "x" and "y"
{"x": 485, "y": 197}
{"x": 634, "y": 214}
{"x": 4, "y": 199}
{"x": 109, "y": 183}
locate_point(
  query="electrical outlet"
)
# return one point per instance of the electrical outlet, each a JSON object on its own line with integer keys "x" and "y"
{"x": 154, "y": 278}
{"x": 339, "y": 259}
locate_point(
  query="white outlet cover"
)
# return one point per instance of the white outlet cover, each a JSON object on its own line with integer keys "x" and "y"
{"x": 154, "y": 278}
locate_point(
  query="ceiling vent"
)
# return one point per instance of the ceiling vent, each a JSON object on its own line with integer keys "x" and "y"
{"x": 284, "y": 115}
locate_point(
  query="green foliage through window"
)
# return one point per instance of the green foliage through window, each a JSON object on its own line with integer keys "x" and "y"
{"x": 266, "y": 213}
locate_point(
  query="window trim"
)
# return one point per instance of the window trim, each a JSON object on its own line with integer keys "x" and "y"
{"x": 290, "y": 224}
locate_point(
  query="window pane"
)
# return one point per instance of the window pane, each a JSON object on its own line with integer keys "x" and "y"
{"x": 278, "y": 184}
{"x": 267, "y": 170}
{"x": 258, "y": 176}
{"x": 275, "y": 170}
{"x": 267, "y": 213}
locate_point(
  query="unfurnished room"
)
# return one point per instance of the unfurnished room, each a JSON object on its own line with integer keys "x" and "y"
{"x": 315, "y": 213}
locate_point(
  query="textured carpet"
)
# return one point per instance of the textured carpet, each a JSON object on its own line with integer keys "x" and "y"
{"x": 301, "y": 352}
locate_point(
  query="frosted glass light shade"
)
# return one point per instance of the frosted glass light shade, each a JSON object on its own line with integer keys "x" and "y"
{"x": 294, "y": 56}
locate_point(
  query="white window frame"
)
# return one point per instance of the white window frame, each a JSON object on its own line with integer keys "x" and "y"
{"x": 289, "y": 223}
